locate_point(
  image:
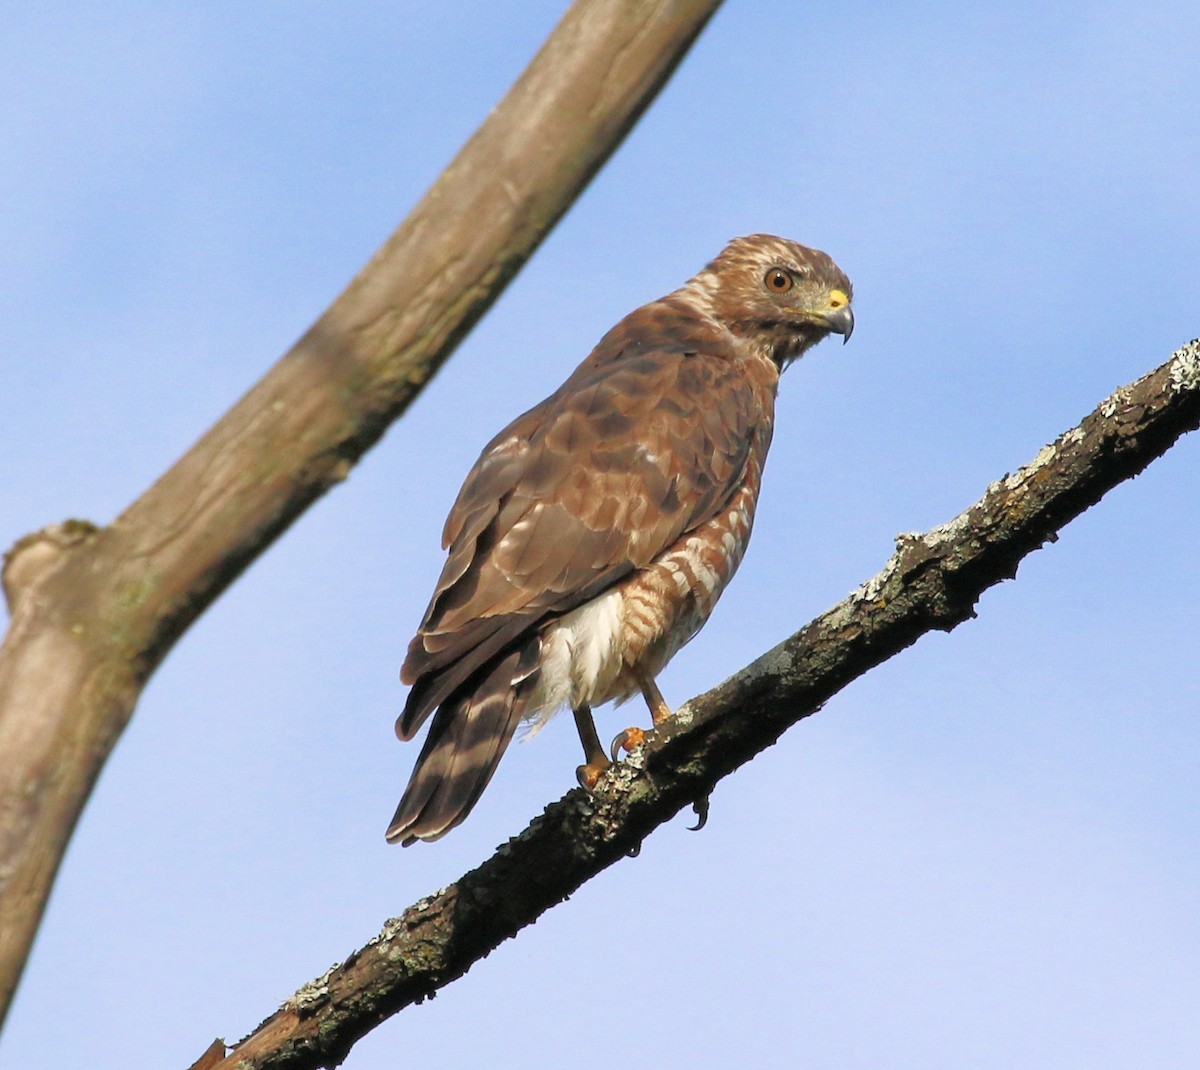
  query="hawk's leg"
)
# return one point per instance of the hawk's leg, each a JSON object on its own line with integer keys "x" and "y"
{"x": 635, "y": 737}
{"x": 593, "y": 751}
{"x": 659, "y": 712}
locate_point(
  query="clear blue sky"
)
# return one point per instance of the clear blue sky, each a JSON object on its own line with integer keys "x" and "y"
{"x": 983, "y": 855}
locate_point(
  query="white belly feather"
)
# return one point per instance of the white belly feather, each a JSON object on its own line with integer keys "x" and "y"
{"x": 581, "y": 657}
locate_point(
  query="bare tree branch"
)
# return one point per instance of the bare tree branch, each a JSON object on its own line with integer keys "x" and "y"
{"x": 94, "y": 610}
{"x": 932, "y": 582}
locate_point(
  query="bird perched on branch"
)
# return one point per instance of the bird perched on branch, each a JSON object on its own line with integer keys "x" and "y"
{"x": 596, "y": 532}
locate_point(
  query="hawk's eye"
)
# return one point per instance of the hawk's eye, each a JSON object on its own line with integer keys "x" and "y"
{"x": 778, "y": 281}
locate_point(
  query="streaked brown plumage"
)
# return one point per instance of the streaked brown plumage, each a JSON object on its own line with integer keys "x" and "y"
{"x": 596, "y": 532}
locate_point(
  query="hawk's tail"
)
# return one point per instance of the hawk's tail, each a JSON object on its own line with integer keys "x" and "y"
{"x": 468, "y": 737}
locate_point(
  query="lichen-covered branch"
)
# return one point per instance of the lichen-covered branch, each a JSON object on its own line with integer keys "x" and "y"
{"x": 932, "y": 581}
{"x": 94, "y": 610}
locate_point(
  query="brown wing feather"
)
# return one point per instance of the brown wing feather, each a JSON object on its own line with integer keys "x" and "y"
{"x": 645, "y": 441}
{"x": 468, "y": 738}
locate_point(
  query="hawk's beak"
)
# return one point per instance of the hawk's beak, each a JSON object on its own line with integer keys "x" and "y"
{"x": 839, "y": 317}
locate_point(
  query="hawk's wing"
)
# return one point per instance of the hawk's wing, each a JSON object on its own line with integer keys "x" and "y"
{"x": 647, "y": 439}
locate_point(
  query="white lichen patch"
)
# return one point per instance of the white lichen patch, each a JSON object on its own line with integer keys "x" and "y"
{"x": 1185, "y": 367}
{"x": 1071, "y": 438}
{"x": 1044, "y": 456}
{"x": 949, "y": 532}
{"x": 1048, "y": 454}
{"x": 1109, "y": 406}
{"x": 394, "y": 927}
{"x": 873, "y": 588}
{"x": 684, "y": 715}
{"x": 313, "y": 993}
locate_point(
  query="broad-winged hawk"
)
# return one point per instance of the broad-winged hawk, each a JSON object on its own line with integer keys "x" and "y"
{"x": 595, "y": 533}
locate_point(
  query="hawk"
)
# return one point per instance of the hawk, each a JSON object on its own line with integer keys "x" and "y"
{"x": 596, "y": 532}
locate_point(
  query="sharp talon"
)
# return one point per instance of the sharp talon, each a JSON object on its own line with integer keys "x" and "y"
{"x": 701, "y": 808}
{"x": 614, "y": 751}
{"x": 626, "y": 741}
{"x": 634, "y": 851}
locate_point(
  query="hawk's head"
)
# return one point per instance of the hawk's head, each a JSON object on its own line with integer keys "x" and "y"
{"x": 777, "y": 294}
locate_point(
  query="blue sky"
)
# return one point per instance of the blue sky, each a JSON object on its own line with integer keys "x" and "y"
{"x": 983, "y": 854}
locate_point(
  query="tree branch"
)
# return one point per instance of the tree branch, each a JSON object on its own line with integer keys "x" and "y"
{"x": 932, "y": 582}
{"x": 94, "y": 610}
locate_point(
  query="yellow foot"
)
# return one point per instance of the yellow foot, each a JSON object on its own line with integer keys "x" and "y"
{"x": 589, "y": 774}
{"x": 626, "y": 741}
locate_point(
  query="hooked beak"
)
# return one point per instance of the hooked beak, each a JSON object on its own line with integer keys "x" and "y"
{"x": 839, "y": 317}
